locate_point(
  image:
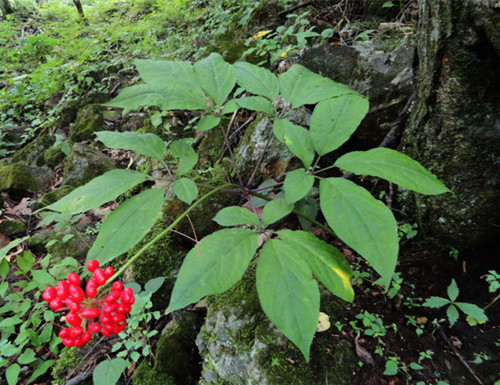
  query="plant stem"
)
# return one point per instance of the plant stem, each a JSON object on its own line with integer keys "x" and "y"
{"x": 164, "y": 232}
{"x": 492, "y": 302}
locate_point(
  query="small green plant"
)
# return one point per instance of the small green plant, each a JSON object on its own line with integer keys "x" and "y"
{"x": 475, "y": 315}
{"x": 394, "y": 364}
{"x": 493, "y": 279}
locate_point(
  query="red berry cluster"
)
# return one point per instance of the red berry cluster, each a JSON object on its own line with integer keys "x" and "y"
{"x": 87, "y": 314}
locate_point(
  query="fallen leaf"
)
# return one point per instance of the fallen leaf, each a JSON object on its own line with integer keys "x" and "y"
{"x": 323, "y": 322}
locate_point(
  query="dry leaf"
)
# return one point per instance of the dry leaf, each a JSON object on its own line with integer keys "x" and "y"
{"x": 323, "y": 323}
{"x": 362, "y": 353}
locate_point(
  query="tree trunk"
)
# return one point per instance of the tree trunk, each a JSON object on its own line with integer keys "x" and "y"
{"x": 454, "y": 126}
{"x": 79, "y": 8}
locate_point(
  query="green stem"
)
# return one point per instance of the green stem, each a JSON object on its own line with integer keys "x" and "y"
{"x": 492, "y": 302}
{"x": 302, "y": 215}
{"x": 324, "y": 169}
{"x": 164, "y": 232}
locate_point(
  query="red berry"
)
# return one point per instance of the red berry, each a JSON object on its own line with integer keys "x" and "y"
{"x": 74, "y": 306}
{"x": 95, "y": 327}
{"x": 76, "y": 293}
{"x": 117, "y": 286}
{"x": 73, "y": 319}
{"x": 106, "y": 319}
{"x": 109, "y": 327}
{"x": 73, "y": 279}
{"x": 91, "y": 288}
{"x": 100, "y": 277}
{"x": 68, "y": 342}
{"x": 92, "y": 265}
{"x": 79, "y": 343}
{"x": 92, "y": 312}
{"x": 62, "y": 289}
{"x": 50, "y": 293}
{"x": 86, "y": 337}
{"x": 64, "y": 333}
{"x": 106, "y": 333}
{"x": 56, "y": 304}
{"x": 109, "y": 271}
{"x": 76, "y": 331}
{"x": 108, "y": 309}
{"x": 112, "y": 297}
{"x": 117, "y": 318}
{"x": 126, "y": 308}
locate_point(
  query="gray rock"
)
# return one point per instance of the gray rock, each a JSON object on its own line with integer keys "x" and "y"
{"x": 84, "y": 163}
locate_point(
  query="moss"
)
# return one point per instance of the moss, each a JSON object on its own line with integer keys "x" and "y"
{"x": 68, "y": 359}
{"x": 54, "y": 155}
{"x": 16, "y": 179}
{"x": 54, "y": 195}
{"x": 12, "y": 227}
{"x": 33, "y": 153}
{"x": 89, "y": 120}
{"x": 145, "y": 374}
{"x": 85, "y": 163}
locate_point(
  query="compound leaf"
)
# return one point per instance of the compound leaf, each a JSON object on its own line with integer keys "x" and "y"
{"x": 256, "y": 103}
{"x": 236, "y": 216}
{"x": 334, "y": 120}
{"x": 207, "y": 123}
{"x": 213, "y": 266}
{"x": 362, "y": 222}
{"x": 217, "y": 78}
{"x": 257, "y": 80}
{"x": 98, "y": 191}
{"x": 297, "y": 139}
{"x": 186, "y": 190}
{"x": 297, "y": 185}
{"x": 145, "y": 144}
{"x": 394, "y": 167}
{"x": 288, "y": 293}
{"x": 188, "y": 157}
{"x": 274, "y": 210}
{"x": 127, "y": 225}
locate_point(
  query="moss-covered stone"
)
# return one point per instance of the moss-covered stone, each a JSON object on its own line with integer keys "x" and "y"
{"x": 54, "y": 155}
{"x": 175, "y": 352}
{"x": 84, "y": 163}
{"x": 12, "y": 227}
{"x": 54, "y": 195}
{"x": 239, "y": 345}
{"x": 76, "y": 247}
{"x": 33, "y": 153}
{"x": 18, "y": 179}
{"x": 67, "y": 360}
{"x": 89, "y": 120}
{"x": 145, "y": 374}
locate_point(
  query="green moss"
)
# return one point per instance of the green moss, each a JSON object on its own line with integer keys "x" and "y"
{"x": 145, "y": 374}
{"x": 16, "y": 179}
{"x": 68, "y": 359}
{"x": 54, "y": 195}
{"x": 33, "y": 153}
{"x": 11, "y": 227}
{"x": 85, "y": 163}
{"x": 53, "y": 155}
{"x": 89, "y": 120}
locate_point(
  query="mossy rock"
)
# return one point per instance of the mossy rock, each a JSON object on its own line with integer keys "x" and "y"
{"x": 239, "y": 345}
{"x": 33, "y": 153}
{"x": 175, "y": 352}
{"x": 84, "y": 163}
{"x": 145, "y": 374}
{"x": 76, "y": 247}
{"x": 20, "y": 180}
{"x": 67, "y": 360}
{"x": 89, "y": 120}
{"x": 54, "y": 196}
{"x": 12, "y": 227}
{"x": 54, "y": 155}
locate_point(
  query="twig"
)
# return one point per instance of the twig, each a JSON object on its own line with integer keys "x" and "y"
{"x": 295, "y": 7}
{"x": 249, "y": 183}
{"x": 80, "y": 378}
{"x": 228, "y": 145}
{"x": 464, "y": 363}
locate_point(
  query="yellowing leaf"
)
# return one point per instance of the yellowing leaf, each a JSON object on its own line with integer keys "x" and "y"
{"x": 260, "y": 34}
{"x": 284, "y": 54}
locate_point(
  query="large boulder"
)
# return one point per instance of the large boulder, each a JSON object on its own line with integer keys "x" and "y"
{"x": 21, "y": 180}
{"x": 84, "y": 163}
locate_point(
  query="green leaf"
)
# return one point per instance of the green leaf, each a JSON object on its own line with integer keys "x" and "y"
{"x": 230, "y": 107}
{"x": 236, "y": 216}
{"x": 43, "y": 278}
{"x": 4, "y": 266}
{"x": 288, "y": 293}
{"x": 300, "y": 86}
{"x": 146, "y": 144}
{"x": 27, "y": 357}
{"x": 153, "y": 285}
{"x": 98, "y": 191}
{"x": 217, "y": 78}
{"x": 452, "y": 314}
{"x": 166, "y": 74}
{"x": 391, "y": 368}
{"x": 186, "y": 190}
{"x": 393, "y": 166}
{"x": 297, "y": 139}
{"x": 297, "y": 185}
{"x": 325, "y": 261}
{"x": 334, "y": 120}
{"x": 207, "y": 123}
{"x": 127, "y": 225}
{"x": 307, "y": 207}
{"x": 436, "y": 302}
{"x": 10, "y": 246}
{"x": 12, "y": 374}
{"x": 108, "y": 372}
{"x": 415, "y": 366}
{"x": 26, "y": 262}
{"x": 274, "y": 210}
{"x": 188, "y": 157}
{"x": 141, "y": 95}
{"x": 453, "y": 291}
{"x": 213, "y": 266}
{"x": 257, "y": 80}
{"x": 11, "y": 321}
{"x": 473, "y": 311}
{"x": 256, "y": 103}
{"x": 362, "y": 222}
